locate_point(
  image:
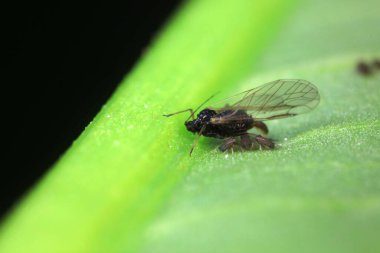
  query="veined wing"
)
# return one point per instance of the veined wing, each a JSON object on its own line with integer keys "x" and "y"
{"x": 278, "y": 99}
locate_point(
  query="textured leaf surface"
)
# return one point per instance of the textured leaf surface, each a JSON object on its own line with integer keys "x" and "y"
{"x": 128, "y": 185}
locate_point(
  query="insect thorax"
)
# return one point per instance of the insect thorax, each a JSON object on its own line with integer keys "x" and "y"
{"x": 230, "y": 123}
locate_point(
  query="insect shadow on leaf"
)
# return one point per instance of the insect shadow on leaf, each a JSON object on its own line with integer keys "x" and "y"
{"x": 279, "y": 99}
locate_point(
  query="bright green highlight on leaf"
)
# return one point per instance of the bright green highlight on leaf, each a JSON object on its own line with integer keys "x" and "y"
{"x": 128, "y": 185}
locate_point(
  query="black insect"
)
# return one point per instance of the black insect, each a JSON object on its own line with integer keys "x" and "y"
{"x": 376, "y": 63}
{"x": 367, "y": 69}
{"x": 244, "y": 111}
{"x": 363, "y": 68}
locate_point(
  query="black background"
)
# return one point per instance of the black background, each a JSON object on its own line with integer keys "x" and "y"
{"x": 62, "y": 64}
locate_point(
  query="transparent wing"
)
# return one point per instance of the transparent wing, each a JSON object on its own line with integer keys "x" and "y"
{"x": 278, "y": 99}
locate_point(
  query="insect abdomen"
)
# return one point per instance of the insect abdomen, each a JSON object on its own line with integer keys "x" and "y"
{"x": 235, "y": 128}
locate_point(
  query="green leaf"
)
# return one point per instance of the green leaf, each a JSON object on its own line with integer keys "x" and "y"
{"x": 128, "y": 185}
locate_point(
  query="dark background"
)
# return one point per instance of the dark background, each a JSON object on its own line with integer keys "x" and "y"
{"x": 62, "y": 64}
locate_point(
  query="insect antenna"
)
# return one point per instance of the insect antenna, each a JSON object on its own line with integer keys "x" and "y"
{"x": 174, "y": 113}
{"x": 192, "y": 112}
{"x": 196, "y": 140}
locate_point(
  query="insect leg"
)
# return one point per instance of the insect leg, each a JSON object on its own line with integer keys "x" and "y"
{"x": 196, "y": 140}
{"x": 228, "y": 143}
{"x": 264, "y": 142}
{"x": 187, "y": 110}
{"x": 245, "y": 141}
